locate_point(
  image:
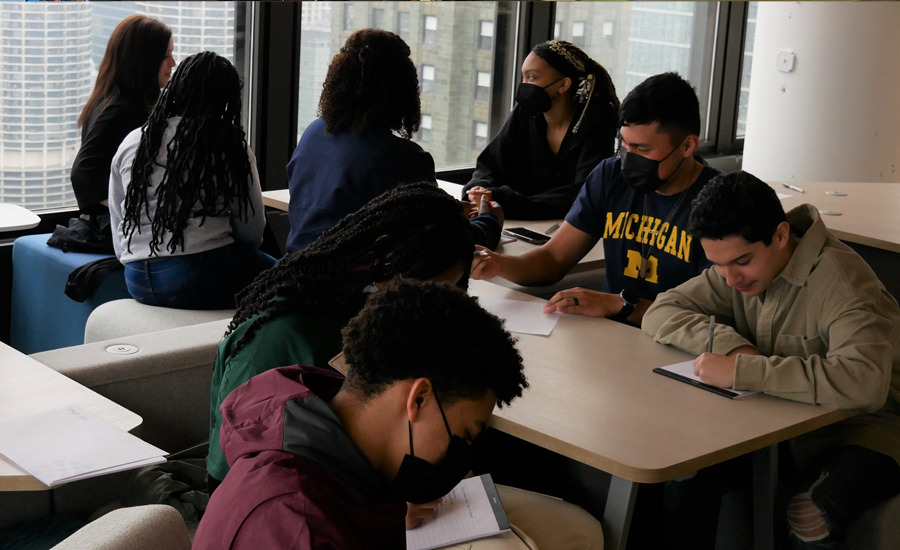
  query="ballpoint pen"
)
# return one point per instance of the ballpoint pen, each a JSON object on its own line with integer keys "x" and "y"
{"x": 551, "y": 229}
{"x": 712, "y": 328}
{"x": 794, "y": 188}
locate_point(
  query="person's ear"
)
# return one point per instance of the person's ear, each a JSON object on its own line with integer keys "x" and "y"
{"x": 782, "y": 235}
{"x": 416, "y": 397}
{"x": 564, "y": 85}
{"x": 690, "y": 144}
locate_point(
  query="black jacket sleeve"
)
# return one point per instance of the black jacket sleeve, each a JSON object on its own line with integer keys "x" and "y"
{"x": 99, "y": 143}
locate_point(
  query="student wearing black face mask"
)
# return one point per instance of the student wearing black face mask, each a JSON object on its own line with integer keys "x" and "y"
{"x": 563, "y": 125}
{"x": 320, "y": 461}
{"x": 637, "y": 202}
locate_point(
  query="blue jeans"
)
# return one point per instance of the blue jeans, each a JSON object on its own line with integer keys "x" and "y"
{"x": 207, "y": 280}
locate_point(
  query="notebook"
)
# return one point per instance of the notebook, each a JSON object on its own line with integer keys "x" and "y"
{"x": 66, "y": 444}
{"x": 471, "y": 511}
{"x": 684, "y": 372}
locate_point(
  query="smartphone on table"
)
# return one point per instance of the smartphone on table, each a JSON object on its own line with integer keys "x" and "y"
{"x": 526, "y": 235}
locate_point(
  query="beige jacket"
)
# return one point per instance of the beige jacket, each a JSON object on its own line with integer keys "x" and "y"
{"x": 828, "y": 330}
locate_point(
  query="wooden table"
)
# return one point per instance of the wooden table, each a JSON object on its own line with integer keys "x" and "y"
{"x": 27, "y": 386}
{"x": 869, "y": 211}
{"x": 280, "y": 200}
{"x": 16, "y": 218}
{"x": 594, "y": 398}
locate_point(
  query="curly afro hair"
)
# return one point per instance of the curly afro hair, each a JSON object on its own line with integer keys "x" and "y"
{"x": 372, "y": 85}
{"x": 414, "y": 329}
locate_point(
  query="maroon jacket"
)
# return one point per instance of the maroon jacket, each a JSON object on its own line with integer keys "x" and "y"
{"x": 296, "y": 481}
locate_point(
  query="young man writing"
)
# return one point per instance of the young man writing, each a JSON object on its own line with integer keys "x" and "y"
{"x": 638, "y": 203}
{"x": 801, "y": 316}
{"x": 319, "y": 461}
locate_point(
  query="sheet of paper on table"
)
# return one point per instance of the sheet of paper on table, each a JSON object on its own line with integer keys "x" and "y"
{"x": 66, "y": 444}
{"x": 684, "y": 372}
{"x": 524, "y": 317}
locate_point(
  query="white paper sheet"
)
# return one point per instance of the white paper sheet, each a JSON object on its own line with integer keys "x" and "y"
{"x": 467, "y": 513}
{"x": 65, "y": 444}
{"x": 524, "y": 317}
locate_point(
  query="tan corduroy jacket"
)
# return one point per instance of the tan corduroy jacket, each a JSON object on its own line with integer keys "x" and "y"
{"x": 828, "y": 330}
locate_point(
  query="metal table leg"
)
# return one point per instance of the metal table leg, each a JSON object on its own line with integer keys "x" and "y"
{"x": 765, "y": 481}
{"x": 618, "y": 511}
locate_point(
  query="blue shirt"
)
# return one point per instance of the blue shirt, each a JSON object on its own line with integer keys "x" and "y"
{"x": 608, "y": 208}
{"x": 332, "y": 175}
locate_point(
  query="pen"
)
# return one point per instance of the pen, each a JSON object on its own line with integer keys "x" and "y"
{"x": 712, "y": 328}
{"x": 551, "y": 229}
{"x": 481, "y": 253}
{"x": 794, "y": 188}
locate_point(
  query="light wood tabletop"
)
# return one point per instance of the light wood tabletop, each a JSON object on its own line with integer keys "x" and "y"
{"x": 868, "y": 212}
{"x": 27, "y": 386}
{"x": 280, "y": 200}
{"x": 594, "y": 398}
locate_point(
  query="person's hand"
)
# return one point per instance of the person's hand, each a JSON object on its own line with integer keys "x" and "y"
{"x": 477, "y": 192}
{"x": 484, "y": 264}
{"x": 487, "y": 206}
{"x": 584, "y": 302}
{"x": 470, "y": 209}
{"x": 417, "y": 513}
{"x": 716, "y": 370}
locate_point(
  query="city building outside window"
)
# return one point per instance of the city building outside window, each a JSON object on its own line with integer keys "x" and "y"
{"x": 348, "y": 16}
{"x": 48, "y": 64}
{"x": 454, "y": 54}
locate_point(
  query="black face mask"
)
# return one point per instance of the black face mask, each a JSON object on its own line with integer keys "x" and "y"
{"x": 534, "y": 99}
{"x": 642, "y": 174}
{"x": 418, "y": 481}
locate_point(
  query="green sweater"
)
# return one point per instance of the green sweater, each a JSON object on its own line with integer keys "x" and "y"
{"x": 283, "y": 341}
{"x": 828, "y": 330}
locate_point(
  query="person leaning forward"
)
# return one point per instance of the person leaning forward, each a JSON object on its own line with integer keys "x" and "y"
{"x": 637, "y": 202}
{"x": 801, "y": 316}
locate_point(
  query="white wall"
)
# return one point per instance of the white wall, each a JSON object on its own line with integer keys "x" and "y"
{"x": 836, "y": 115}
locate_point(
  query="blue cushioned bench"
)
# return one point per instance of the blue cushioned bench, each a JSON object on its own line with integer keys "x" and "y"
{"x": 42, "y": 317}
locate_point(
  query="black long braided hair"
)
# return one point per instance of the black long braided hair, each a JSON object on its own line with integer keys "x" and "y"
{"x": 414, "y": 230}
{"x": 207, "y": 169}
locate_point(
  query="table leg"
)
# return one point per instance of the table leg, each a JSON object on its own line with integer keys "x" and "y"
{"x": 618, "y": 511}
{"x": 765, "y": 481}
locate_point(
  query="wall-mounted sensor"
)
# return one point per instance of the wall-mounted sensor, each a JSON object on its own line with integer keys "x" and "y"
{"x": 784, "y": 60}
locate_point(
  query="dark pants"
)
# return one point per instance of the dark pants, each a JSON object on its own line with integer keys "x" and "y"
{"x": 846, "y": 481}
{"x": 207, "y": 280}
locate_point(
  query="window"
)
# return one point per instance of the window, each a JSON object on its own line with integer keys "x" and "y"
{"x": 49, "y": 66}
{"x": 483, "y": 86}
{"x": 445, "y": 51}
{"x": 427, "y": 79}
{"x": 744, "y": 99}
{"x": 425, "y": 129}
{"x": 348, "y": 16}
{"x": 578, "y": 33}
{"x": 557, "y": 29}
{"x": 403, "y": 23}
{"x": 479, "y": 137}
{"x": 429, "y": 31}
{"x": 378, "y": 18}
{"x": 485, "y": 35}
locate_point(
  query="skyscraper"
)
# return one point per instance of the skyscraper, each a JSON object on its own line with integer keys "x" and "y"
{"x": 48, "y": 63}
